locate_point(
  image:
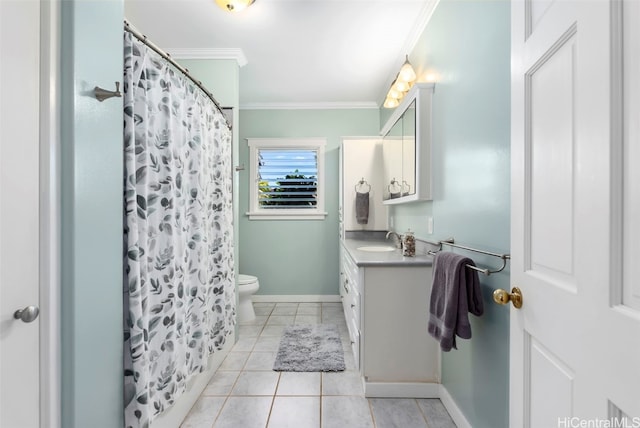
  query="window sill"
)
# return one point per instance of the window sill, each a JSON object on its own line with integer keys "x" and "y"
{"x": 259, "y": 215}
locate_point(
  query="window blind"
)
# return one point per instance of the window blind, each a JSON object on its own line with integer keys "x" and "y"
{"x": 287, "y": 178}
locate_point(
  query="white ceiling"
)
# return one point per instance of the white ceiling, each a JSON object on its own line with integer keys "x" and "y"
{"x": 299, "y": 53}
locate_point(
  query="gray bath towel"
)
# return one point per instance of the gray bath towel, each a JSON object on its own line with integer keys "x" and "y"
{"x": 362, "y": 207}
{"x": 455, "y": 292}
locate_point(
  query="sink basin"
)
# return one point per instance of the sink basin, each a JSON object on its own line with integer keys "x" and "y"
{"x": 377, "y": 248}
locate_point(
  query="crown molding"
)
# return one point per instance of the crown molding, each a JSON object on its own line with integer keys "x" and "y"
{"x": 421, "y": 23}
{"x": 209, "y": 53}
{"x": 310, "y": 106}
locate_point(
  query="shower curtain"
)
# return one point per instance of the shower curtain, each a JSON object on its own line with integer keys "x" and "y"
{"x": 179, "y": 286}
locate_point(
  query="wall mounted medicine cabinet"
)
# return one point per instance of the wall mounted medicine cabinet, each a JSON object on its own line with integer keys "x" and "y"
{"x": 406, "y": 148}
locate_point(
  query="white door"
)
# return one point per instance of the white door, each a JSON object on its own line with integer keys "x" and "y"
{"x": 575, "y": 344}
{"x": 19, "y": 212}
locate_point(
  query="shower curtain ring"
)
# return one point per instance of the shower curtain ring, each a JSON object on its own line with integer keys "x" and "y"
{"x": 103, "y": 94}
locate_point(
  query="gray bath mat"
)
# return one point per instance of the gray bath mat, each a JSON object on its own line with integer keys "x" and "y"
{"x": 310, "y": 348}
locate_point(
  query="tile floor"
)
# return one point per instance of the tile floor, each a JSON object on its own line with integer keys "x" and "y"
{"x": 245, "y": 392}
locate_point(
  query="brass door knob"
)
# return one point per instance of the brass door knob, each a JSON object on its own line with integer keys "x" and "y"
{"x": 502, "y": 297}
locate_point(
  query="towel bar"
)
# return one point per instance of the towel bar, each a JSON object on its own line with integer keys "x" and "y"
{"x": 450, "y": 242}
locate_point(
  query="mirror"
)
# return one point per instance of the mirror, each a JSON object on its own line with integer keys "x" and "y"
{"x": 406, "y": 148}
{"x": 392, "y": 161}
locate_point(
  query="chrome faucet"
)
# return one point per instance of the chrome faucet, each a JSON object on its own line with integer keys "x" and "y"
{"x": 397, "y": 238}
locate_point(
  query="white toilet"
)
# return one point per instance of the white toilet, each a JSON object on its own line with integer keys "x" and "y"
{"x": 247, "y": 286}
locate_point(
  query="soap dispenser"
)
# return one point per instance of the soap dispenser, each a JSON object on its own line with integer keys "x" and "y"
{"x": 408, "y": 244}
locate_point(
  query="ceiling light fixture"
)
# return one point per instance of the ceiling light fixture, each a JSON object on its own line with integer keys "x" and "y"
{"x": 234, "y": 5}
{"x": 403, "y": 82}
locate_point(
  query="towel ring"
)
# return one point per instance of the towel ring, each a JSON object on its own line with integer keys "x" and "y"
{"x": 362, "y": 183}
{"x": 395, "y": 189}
{"x": 407, "y": 186}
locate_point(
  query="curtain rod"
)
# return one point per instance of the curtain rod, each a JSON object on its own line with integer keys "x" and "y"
{"x": 138, "y": 35}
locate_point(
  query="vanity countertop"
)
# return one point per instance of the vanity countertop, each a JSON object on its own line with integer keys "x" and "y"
{"x": 382, "y": 259}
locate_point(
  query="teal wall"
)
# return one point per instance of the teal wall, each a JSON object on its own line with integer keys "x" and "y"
{"x": 91, "y": 229}
{"x": 297, "y": 257}
{"x": 219, "y": 76}
{"x": 467, "y": 45}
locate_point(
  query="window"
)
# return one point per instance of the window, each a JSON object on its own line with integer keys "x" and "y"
{"x": 286, "y": 178}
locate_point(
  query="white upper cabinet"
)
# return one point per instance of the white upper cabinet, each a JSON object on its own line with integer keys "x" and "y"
{"x": 407, "y": 148}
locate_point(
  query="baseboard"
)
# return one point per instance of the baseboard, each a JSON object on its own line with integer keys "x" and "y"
{"x": 453, "y": 409}
{"x": 417, "y": 390}
{"x": 401, "y": 389}
{"x": 291, "y": 298}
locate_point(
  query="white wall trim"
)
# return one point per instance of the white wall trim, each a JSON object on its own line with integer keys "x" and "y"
{"x": 287, "y": 216}
{"x": 417, "y": 390}
{"x": 293, "y": 298}
{"x": 453, "y": 409}
{"x": 256, "y": 212}
{"x": 401, "y": 389}
{"x": 311, "y": 106}
{"x": 209, "y": 53}
{"x": 49, "y": 242}
{"x": 421, "y": 23}
{"x": 616, "y": 228}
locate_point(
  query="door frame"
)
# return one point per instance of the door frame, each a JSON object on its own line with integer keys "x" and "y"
{"x": 50, "y": 218}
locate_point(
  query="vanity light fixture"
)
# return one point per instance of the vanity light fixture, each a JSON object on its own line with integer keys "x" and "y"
{"x": 234, "y": 5}
{"x": 391, "y": 103}
{"x": 403, "y": 82}
{"x": 406, "y": 71}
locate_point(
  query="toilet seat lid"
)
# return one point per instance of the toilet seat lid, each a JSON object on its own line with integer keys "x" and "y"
{"x": 246, "y": 279}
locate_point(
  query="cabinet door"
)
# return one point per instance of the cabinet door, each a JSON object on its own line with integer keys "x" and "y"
{"x": 396, "y": 346}
{"x": 341, "y": 278}
{"x": 409, "y": 150}
{"x": 354, "y": 335}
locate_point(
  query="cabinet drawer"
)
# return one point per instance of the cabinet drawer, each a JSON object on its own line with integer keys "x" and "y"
{"x": 351, "y": 284}
{"x": 352, "y": 311}
{"x": 350, "y": 280}
{"x": 351, "y": 269}
{"x": 346, "y": 284}
{"x": 344, "y": 293}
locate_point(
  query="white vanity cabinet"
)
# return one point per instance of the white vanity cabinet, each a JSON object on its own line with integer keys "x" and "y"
{"x": 387, "y": 310}
{"x": 351, "y": 296}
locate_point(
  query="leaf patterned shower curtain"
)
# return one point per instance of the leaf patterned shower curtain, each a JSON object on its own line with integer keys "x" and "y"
{"x": 179, "y": 284}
